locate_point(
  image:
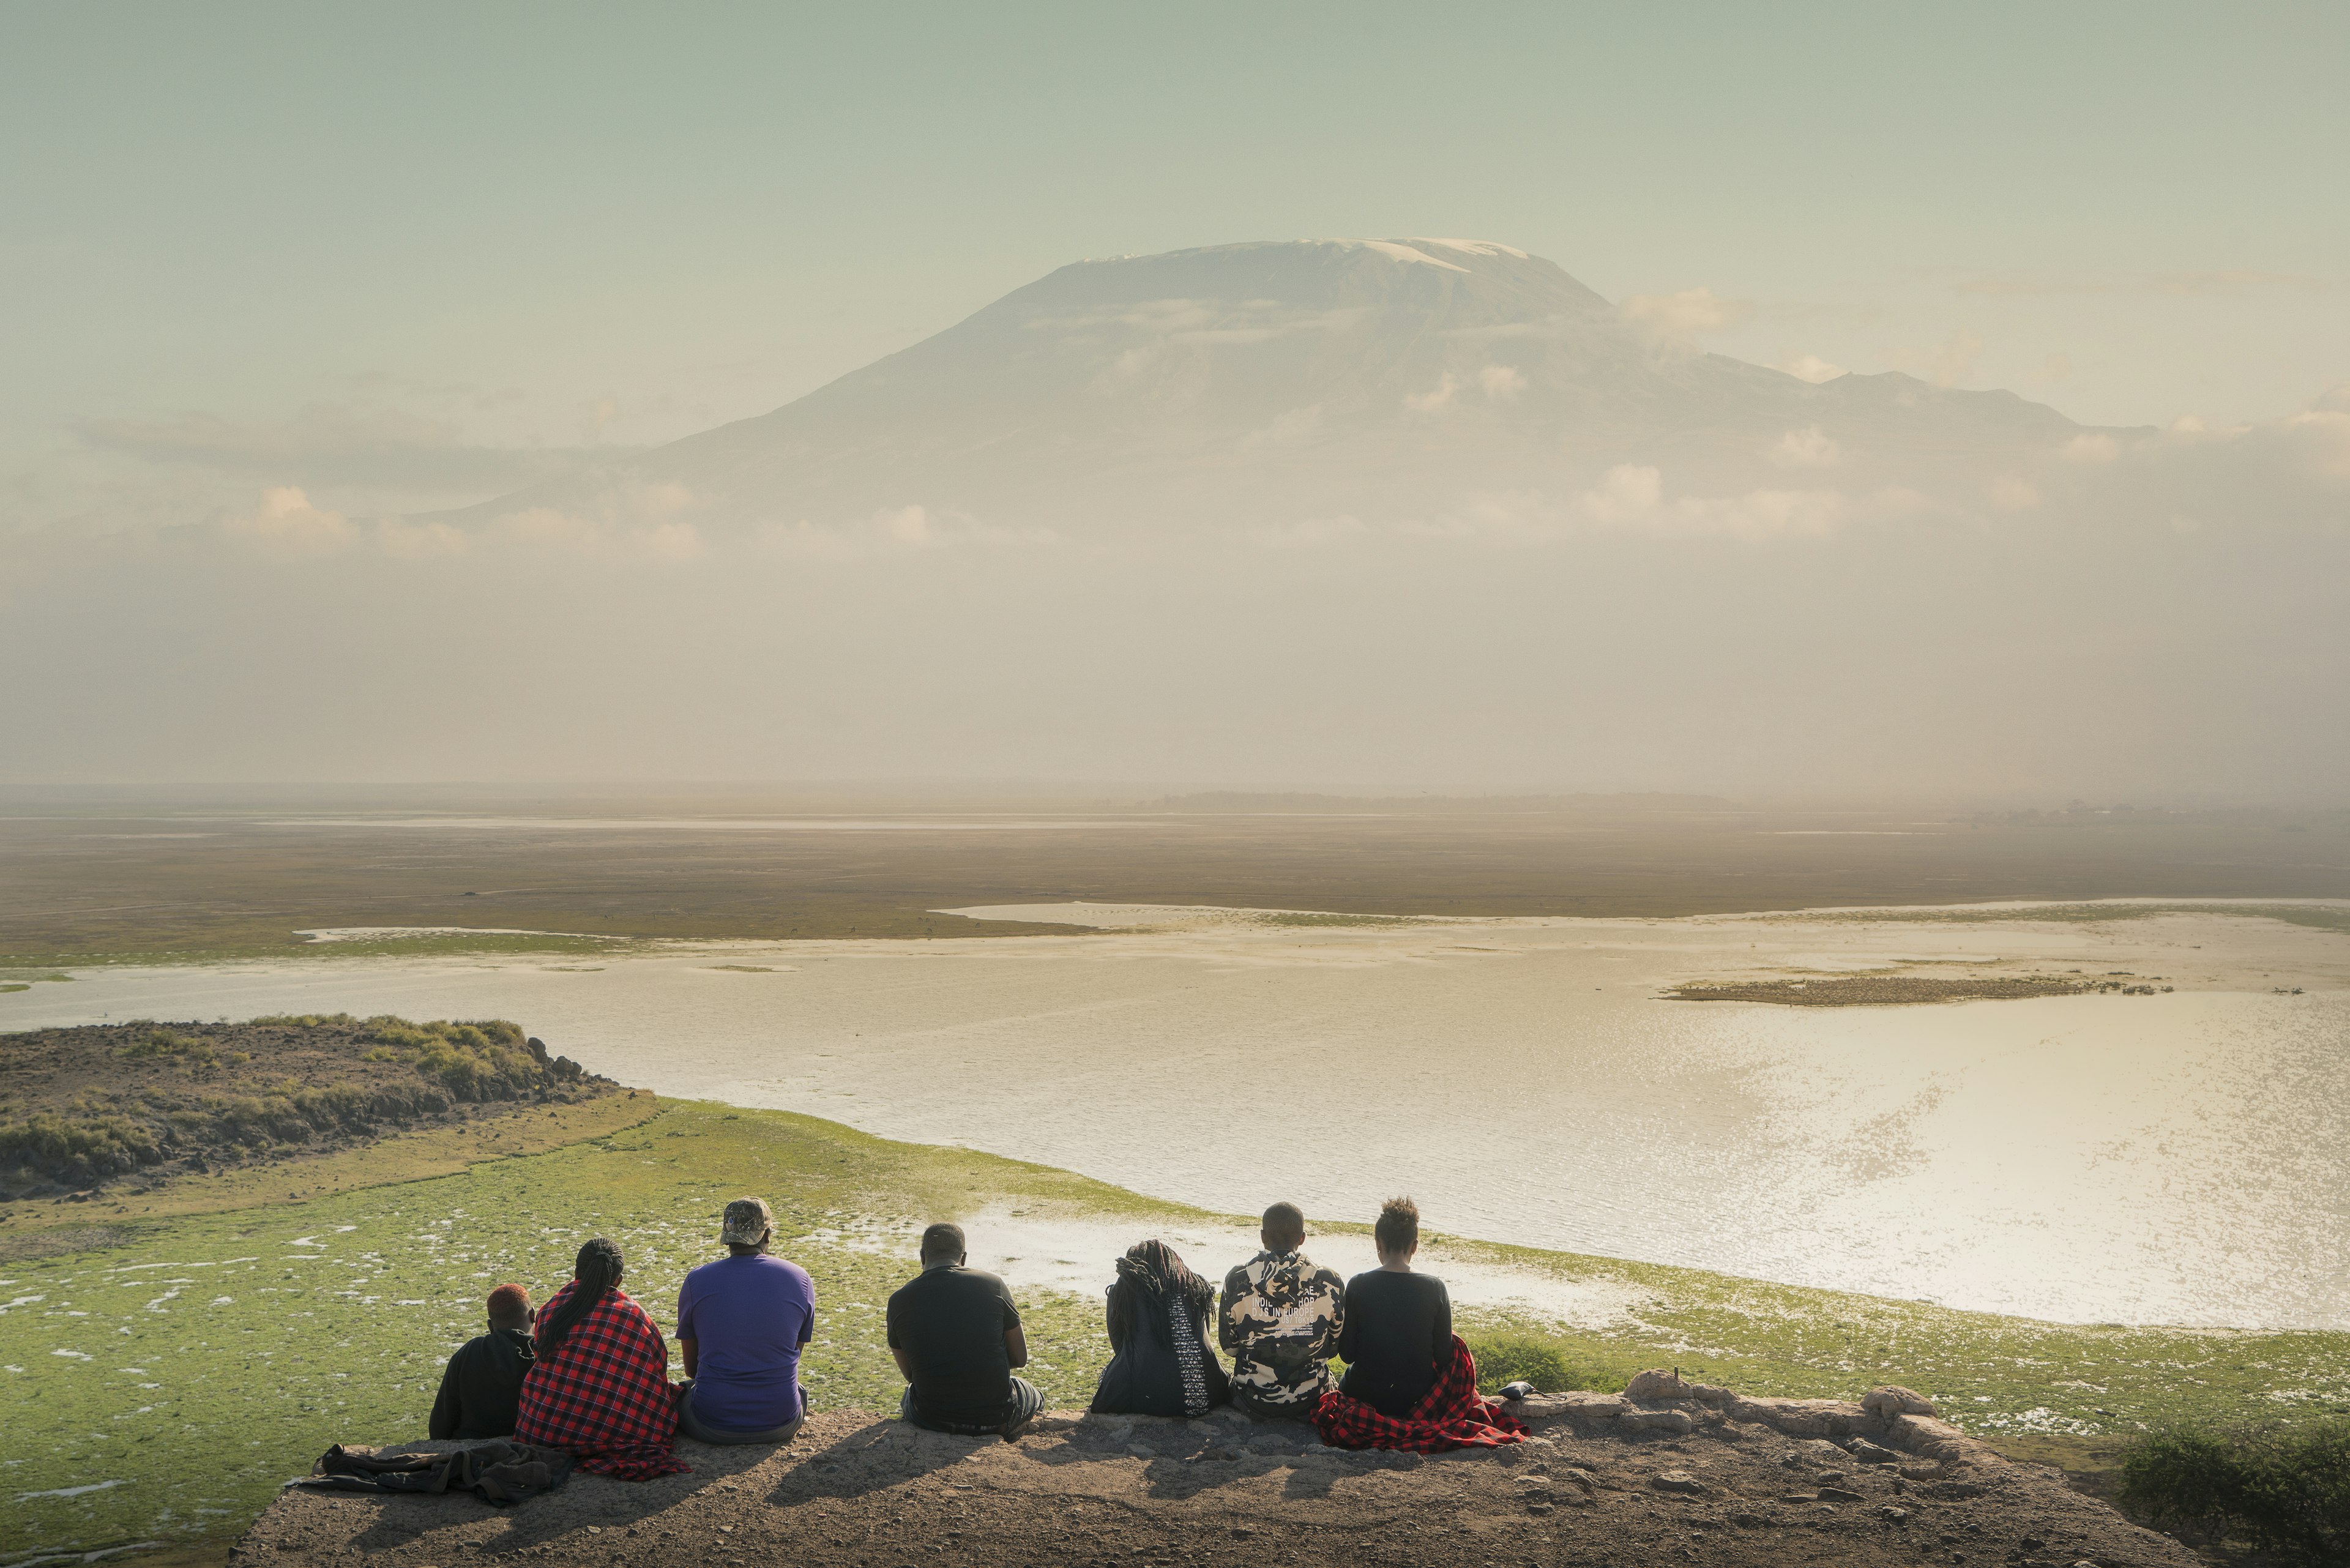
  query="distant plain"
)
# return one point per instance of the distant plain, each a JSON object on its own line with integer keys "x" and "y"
{"x": 238, "y": 875}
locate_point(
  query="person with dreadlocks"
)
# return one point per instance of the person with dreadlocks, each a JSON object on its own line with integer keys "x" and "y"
{"x": 1160, "y": 1361}
{"x": 599, "y": 1384}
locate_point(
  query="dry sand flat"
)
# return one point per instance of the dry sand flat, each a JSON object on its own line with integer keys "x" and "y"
{"x": 1685, "y": 1473}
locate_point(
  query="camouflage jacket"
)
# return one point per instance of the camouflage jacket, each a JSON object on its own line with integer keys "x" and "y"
{"x": 1280, "y": 1323}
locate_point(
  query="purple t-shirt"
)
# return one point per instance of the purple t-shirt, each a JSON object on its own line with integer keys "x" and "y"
{"x": 748, "y": 1318}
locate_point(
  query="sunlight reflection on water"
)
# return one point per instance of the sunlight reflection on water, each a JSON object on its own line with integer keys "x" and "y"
{"x": 2172, "y": 1158}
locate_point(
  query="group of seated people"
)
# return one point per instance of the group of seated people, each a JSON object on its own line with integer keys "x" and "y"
{"x": 589, "y": 1373}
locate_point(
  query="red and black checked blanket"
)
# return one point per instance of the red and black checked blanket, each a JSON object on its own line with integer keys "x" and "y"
{"x": 1451, "y": 1415}
{"x": 604, "y": 1395}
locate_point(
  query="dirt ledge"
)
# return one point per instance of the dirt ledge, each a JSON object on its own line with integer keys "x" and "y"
{"x": 1669, "y": 1471}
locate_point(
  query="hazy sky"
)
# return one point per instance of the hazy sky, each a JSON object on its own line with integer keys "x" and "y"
{"x": 560, "y": 223}
{"x": 272, "y": 275}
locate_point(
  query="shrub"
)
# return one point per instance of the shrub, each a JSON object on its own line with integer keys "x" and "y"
{"x": 80, "y": 1152}
{"x": 2287, "y": 1489}
{"x": 193, "y": 1049}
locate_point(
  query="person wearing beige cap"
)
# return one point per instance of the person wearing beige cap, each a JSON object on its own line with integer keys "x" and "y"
{"x": 742, "y": 1323}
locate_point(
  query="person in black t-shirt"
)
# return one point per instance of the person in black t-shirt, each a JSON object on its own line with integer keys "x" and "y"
{"x": 956, "y": 1336}
{"x": 483, "y": 1380}
{"x": 1399, "y": 1326}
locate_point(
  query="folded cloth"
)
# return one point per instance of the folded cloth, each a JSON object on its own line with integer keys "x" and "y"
{"x": 603, "y": 1393}
{"x": 498, "y": 1471}
{"x": 1451, "y": 1415}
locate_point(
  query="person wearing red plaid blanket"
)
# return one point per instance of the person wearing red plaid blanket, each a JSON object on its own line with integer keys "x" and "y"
{"x": 600, "y": 1387}
{"x": 1411, "y": 1381}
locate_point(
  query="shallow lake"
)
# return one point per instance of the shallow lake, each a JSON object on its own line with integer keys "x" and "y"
{"x": 2175, "y": 1157}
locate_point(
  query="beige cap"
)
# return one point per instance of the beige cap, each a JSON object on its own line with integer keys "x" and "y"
{"x": 747, "y": 1222}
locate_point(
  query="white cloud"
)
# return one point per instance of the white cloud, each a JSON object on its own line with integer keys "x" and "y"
{"x": 2010, "y": 493}
{"x": 2323, "y": 434}
{"x": 894, "y": 530}
{"x": 334, "y": 444}
{"x": 549, "y": 526}
{"x": 1810, "y": 368}
{"x": 420, "y": 541}
{"x": 1286, "y": 428}
{"x": 1806, "y": 448}
{"x": 1679, "y": 320}
{"x": 1627, "y": 492}
{"x": 905, "y": 525}
{"x": 1631, "y": 496}
{"x": 2092, "y": 447}
{"x": 668, "y": 541}
{"x": 286, "y": 524}
{"x": 646, "y": 528}
{"x": 1436, "y": 398}
{"x": 1502, "y": 382}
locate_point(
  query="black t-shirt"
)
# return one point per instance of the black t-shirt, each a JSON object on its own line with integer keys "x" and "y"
{"x": 1398, "y": 1331}
{"x": 951, "y": 1323}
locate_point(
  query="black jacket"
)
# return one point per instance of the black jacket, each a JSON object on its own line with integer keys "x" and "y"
{"x": 482, "y": 1384}
{"x": 1161, "y": 1365}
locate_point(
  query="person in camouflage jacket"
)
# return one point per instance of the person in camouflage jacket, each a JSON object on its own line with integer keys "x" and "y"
{"x": 1279, "y": 1322}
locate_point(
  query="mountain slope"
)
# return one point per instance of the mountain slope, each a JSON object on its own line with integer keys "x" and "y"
{"x": 1329, "y": 375}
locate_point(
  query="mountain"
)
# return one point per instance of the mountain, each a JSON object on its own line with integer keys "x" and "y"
{"x": 1296, "y": 378}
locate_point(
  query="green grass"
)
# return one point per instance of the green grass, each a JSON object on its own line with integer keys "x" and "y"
{"x": 213, "y": 1356}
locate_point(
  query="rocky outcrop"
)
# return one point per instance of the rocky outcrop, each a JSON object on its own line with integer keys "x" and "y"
{"x": 1890, "y": 1424}
{"x": 1669, "y": 1471}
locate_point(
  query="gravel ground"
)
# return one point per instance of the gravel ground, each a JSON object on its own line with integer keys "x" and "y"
{"x": 1088, "y": 1490}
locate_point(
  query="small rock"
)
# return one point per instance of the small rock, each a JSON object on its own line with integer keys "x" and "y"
{"x": 1674, "y": 1421}
{"x": 1893, "y": 1513}
{"x": 1839, "y": 1494}
{"x": 1868, "y": 1453}
{"x": 1675, "y": 1480}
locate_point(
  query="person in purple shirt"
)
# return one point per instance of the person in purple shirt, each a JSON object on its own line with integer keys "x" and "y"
{"x": 742, "y": 1323}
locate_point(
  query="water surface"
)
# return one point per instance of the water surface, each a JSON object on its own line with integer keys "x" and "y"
{"x": 2171, "y": 1159}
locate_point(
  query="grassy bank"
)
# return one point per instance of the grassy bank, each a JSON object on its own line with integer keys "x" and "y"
{"x": 165, "y": 1380}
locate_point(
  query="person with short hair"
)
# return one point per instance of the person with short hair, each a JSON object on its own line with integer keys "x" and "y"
{"x": 1160, "y": 1361}
{"x": 1399, "y": 1327}
{"x": 482, "y": 1382}
{"x": 599, "y": 1386}
{"x": 742, "y": 1321}
{"x": 1280, "y": 1322}
{"x": 956, "y": 1336}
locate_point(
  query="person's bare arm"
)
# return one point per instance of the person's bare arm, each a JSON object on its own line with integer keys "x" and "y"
{"x": 686, "y": 1355}
{"x": 1015, "y": 1346}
